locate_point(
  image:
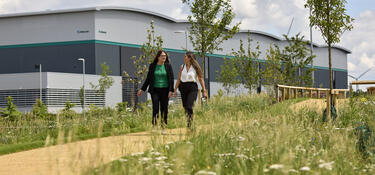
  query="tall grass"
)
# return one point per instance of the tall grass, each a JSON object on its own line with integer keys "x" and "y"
{"x": 245, "y": 135}
{"x": 31, "y": 131}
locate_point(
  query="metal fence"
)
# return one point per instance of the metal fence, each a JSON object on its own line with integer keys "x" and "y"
{"x": 51, "y": 97}
{"x": 129, "y": 91}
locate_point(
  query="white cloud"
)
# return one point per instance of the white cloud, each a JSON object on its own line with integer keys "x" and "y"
{"x": 366, "y": 61}
{"x": 245, "y": 8}
{"x": 351, "y": 67}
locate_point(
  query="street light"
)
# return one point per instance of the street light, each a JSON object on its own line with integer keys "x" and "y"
{"x": 40, "y": 79}
{"x": 186, "y": 37}
{"x": 357, "y": 78}
{"x": 83, "y": 65}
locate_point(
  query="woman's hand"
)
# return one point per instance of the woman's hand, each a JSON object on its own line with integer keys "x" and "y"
{"x": 204, "y": 93}
{"x": 175, "y": 94}
{"x": 139, "y": 93}
{"x": 170, "y": 94}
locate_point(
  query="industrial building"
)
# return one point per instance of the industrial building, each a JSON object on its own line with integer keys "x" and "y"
{"x": 56, "y": 39}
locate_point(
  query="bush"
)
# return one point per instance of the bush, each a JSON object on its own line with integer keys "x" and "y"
{"x": 40, "y": 109}
{"x": 10, "y": 112}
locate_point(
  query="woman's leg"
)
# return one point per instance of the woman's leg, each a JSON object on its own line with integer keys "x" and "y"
{"x": 155, "y": 106}
{"x": 190, "y": 99}
{"x": 164, "y": 106}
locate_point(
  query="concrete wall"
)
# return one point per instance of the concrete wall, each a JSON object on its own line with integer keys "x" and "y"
{"x": 47, "y": 28}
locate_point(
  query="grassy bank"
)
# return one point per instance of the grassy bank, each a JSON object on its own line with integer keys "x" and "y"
{"x": 246, "y": 137}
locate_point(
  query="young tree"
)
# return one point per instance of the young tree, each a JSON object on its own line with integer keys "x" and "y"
{"x": 329, "y": 16}
{"x": 283, "y": 65}
{"x": 209, "y": 25}
{"x": 247, "y": 65}
{"x": 105, "y": 81}
{"x": 10, "y": 112}
{"x": 148, "y": 53}
{"x": 228, "y": 74}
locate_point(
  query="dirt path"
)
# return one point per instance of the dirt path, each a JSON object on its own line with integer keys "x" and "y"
{"x": 76, "y": 157}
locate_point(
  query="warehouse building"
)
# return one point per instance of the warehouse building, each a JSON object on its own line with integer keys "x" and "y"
{"x": 57, "y": 39}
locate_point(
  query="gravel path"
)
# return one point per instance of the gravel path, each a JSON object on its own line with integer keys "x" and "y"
{"x": 77, "y": 157}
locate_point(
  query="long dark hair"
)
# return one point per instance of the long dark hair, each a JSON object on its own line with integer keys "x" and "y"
{"x": 195, "y": 64}
{"x": 158, "y": 55}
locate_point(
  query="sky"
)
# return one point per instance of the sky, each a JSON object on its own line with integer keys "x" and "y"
{"x": 271, "y": 16}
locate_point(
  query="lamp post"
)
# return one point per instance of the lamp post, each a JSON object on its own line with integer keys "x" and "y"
{"x": 83, "y": 77}
{"x": 40, "y": 80}
{"x": 186, "y": 37}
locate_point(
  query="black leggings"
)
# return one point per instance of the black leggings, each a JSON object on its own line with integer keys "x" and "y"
{"x": 189, "y": 92}
{"x": 160, "y": 96}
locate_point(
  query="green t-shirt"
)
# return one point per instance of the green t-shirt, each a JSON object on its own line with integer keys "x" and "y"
{"x": 161, "y": 79}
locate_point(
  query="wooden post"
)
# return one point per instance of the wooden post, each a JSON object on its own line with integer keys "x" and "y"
{"x": 311, "y": 93}
{"x": 318, "y": 94}
{"x": 284, "y": 94}
{"x": 277, "y": 94}
{"x": 295, "y": 93}
{"x": 302, "y": 95}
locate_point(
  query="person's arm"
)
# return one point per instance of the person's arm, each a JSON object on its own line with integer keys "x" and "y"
{"x": 178, "y": 81}
{"x": 201, "y": 81}
{"x": 146, "y": 83}
{"x": 171, "y": 81}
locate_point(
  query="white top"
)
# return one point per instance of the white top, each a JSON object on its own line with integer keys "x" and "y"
{"x": 189, "y": 76}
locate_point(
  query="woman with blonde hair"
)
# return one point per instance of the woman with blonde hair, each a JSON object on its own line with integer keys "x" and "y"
{"x": 190, "y": 73}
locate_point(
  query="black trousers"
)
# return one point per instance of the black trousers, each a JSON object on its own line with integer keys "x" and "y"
{"x": 160, "y": 100}
{"x": 189, "y": 92}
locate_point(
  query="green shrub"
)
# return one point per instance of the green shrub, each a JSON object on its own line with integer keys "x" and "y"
{"x": 10, "y": 112}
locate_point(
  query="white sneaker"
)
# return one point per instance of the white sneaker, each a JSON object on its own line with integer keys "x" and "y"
{"x": 163, "y": 132}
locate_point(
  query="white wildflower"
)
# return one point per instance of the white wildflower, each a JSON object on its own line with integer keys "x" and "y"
{"x": 327, "y": 166}
{"x": 156, "y": 153}
{"x": 266, "y": 170}
{"x": 240, "y": 138}
{"x": 145, "y": 159}
{"x": 161, "y": 158}
{"x": 242, "y": 156}
{"x": 169, "y": 171}
{"x": 123, "y": 160}
{"x": 166, "y": 146}
{"x": 205, "y": 172}
{"x": 137, "y": 154}
{"x": 188, "y": 142}
{"x": 305, "y": 168}
{"x": 276, "y": 166}
{"x": 293, "y": 171}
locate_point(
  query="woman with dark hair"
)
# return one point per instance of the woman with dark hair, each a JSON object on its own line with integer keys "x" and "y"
{"x": 159, "y": 81}
{"x": 189, "y": 74}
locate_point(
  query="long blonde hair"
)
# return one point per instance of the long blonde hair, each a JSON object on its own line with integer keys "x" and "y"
{"x": 195, "y": 64}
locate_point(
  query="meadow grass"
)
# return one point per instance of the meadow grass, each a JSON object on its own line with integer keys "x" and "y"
{"x": 247, "y": 135}
{"x": 30, "y": 131}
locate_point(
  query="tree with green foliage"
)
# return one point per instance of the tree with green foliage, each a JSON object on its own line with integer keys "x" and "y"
{"x": 290, "y": 65}
{"x": 68, "y": 106}
{"x": 248, "y": 65}
{"x": 210, "y": 22}
{"x": 10, "y": 112}
{"x": 40, "y": 109}
{"x": 228, "y": 75}
{"x": 105, "y": 81}
{"x": 148, "y": 53}
{"x": 329, "y": 16}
